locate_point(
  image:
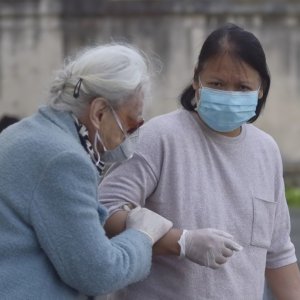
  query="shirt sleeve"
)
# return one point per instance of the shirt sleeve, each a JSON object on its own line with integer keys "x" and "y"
{"x": 282, "y": 250}
{"x": 131, "y": 182}
{"x": 64, "y": 215}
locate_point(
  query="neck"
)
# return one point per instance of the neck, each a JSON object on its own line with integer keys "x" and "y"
{"x": 233, "y": 133}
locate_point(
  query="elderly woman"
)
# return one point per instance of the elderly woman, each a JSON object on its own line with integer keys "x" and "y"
{"x": 52, "y": 244}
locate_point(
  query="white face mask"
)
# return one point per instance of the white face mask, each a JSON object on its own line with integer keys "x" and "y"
{"x": 123, "y": 151}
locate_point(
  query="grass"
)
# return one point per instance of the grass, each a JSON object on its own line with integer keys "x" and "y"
{"x": 293, "y": 196}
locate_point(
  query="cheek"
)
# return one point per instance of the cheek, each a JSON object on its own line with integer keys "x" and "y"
{"x": 111, "y": 134}
{"x": 115, "y": 137}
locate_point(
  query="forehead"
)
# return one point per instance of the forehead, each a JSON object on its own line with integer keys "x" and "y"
{"x": 228, "y": 67}
{"x": 131, "y": 109}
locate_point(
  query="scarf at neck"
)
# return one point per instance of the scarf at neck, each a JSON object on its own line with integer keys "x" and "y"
{"x": 84, "y": 139}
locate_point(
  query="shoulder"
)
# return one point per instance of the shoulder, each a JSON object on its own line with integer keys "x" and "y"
{"x": 168, "y": 118}
{"x": 259, "y": 134}
{"x": 161, "y": 135}
{"x": 34, "y": 141}
{"x": 166, "y": 124}
{"x": 262, "y": 140}
{"x": 41, "y": 134}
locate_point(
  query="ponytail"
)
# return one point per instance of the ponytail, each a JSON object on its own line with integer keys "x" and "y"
{"x": 187, "y": 97}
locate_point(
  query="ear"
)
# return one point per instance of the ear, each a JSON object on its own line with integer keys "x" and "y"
{"x": 97, "y": 107}
{"x": 260, "y": 93}
{"x": 195, "y": 85}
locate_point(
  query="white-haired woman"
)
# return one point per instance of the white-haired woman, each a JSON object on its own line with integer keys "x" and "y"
{"x": 52, "y": 243}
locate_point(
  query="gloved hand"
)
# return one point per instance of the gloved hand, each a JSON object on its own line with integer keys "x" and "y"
{"x": 207, "y": 247}
{"x": 148, "y": 222}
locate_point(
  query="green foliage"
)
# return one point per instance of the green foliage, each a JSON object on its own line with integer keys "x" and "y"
{"x": 293, "y": 196}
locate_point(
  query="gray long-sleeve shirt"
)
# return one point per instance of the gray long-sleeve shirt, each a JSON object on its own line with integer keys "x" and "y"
{"x": 198, "y": 178}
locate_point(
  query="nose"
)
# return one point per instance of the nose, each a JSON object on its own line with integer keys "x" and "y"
{"x": 137, "y": 125}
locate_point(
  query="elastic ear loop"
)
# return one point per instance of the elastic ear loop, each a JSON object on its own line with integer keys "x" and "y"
{"x": 118, "y": 121}
{"x": 198, "y": 100}
{"x": 96, "y": 139}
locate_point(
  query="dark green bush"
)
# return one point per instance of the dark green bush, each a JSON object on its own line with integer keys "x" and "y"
{"x": 293, "y": 196}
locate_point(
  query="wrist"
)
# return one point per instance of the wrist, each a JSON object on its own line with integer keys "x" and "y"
{"x": 168, "y": 245}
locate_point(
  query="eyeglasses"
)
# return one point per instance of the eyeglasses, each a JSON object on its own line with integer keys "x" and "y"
{"x": 131, "y": 129}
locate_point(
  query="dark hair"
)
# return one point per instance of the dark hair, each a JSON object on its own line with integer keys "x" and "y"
{"x": 244, "y": 45}
{"x": 7, "y": 120}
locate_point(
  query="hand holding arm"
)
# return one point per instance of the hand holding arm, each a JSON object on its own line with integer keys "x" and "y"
{"x": 148, "y": 222}
{"x": 207, "y": 247}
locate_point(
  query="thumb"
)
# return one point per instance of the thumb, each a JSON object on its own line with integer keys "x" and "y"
{"x": 233, "y": 245}
{"x": 221, "y": 233}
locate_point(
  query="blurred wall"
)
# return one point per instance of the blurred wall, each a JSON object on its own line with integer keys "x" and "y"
{"x": 35, "y": 36}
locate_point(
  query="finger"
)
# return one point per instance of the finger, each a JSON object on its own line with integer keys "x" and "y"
{"x": 226, "y": 252}
{"x": 233, "y": 245}
{"x": 127, "y": 207}
{"x": 215, "y": 266}
{"x": 135, "y": 210}
{"x": 221, "y": 260}
{"x": 221, "y": 233}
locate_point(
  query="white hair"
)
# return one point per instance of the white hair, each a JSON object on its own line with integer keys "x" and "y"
{"x": 115, "y": 72}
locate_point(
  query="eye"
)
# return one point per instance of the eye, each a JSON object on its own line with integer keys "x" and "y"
{"x": 215, "y": 84}
{"x": 137, "y": 125}
{"x": 245, "y": 88}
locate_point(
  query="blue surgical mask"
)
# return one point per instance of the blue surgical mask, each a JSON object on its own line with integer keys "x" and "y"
{"x": 225, "y": 111}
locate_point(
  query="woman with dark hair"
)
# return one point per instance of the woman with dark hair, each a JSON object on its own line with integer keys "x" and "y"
{"x": 206, "y": 166}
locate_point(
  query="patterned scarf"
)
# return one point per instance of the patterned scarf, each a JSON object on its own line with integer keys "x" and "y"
{"x": 84, "y": 139}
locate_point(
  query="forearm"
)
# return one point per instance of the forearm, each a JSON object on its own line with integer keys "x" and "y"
{"x": 116, "y": 223}
{"x": 167, "y": 245}
{"x": 284, "y": 282}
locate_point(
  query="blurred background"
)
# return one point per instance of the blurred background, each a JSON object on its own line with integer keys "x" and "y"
{"x": 36, "y": 36}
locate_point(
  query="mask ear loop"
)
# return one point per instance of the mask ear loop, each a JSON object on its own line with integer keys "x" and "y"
{"x": 118, "y": 122}
{"x": 197, "y": 101}
{"x": 258, "y": 92}
{"x": 97, "y": 156}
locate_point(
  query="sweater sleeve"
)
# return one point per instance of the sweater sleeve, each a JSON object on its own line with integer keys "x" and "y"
{"x": 64, "y": 215}
{"x": 282, "y": 250}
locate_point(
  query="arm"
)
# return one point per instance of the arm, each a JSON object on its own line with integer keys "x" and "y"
{"x": 206, "y": 247}
{"x": 167, "y": 245}
{"x": 284, "y": 282}
{"x": 64, "y": 215}
{"x": 136, "y": 180}
{"x": 282, "y": 272}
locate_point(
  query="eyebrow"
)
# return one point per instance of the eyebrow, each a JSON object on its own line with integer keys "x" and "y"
{"x": 245, "y": 82}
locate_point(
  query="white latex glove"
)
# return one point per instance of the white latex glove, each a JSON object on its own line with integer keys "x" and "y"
{"x": 148, "y": 222}
{"x": 207, "y": 247}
